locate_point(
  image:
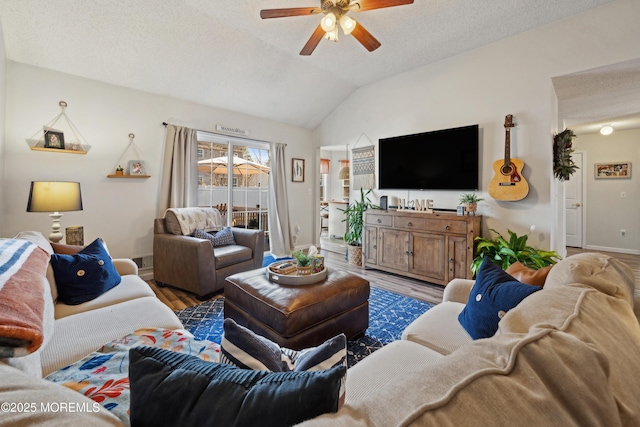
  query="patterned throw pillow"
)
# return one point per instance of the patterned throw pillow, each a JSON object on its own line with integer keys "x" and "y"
{"x": 244, "y": 348}
{"x": 494, "y": 293}
{"x": 170, "y": 388}
{"x": 223, "y": 237}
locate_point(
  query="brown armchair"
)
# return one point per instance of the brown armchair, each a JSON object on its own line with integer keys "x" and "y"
{"x": 193, "y": 264}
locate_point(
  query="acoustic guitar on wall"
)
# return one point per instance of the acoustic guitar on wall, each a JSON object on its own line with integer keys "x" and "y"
{"x": 508, "y": 182}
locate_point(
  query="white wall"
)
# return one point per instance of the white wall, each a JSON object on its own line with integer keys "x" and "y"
{"x": 119, "y": 210}
{"x": 512, "y": 76}
{"x": 606, "y": 212}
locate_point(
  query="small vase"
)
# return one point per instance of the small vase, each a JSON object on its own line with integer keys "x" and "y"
{"x": 471, "y": 208}
{"x": 304, "y": 271}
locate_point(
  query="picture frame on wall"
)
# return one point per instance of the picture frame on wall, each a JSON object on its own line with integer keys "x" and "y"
{"x": 297, "y": 170}
{"x": 53, "y": 139}
{"x": 613, "y": 170}
{"x": 136, "y": 167}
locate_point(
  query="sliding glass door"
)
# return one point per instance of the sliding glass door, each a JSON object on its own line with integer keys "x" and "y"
{"x": 233, "y": 176}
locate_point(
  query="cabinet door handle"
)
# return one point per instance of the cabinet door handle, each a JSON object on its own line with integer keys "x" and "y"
{"x": 411, "y": 253}
{"x": 375, "y": 246}
{"x": 409, "y": 224}
{"x": 450, "y": 260}
{"x": 406, "y": 252}
{"x": 446, "y": 227}
{"x": 379, "y": 221}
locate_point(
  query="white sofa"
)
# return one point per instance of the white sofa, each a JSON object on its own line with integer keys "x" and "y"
{"x": 567, "y": 355}
{"x": 70, "y": 333}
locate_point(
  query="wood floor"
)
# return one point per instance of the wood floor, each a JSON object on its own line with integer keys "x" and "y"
{"x": 177, "y": 299}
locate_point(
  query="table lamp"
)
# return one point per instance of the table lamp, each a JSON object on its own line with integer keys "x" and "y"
{"x": 56, "y": 197}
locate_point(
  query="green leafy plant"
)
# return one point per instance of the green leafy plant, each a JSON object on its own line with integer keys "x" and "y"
{"x": 563, "y": 165}
{"x": 354, "y": 216}
{"x": 469, "y": 198}
{"x": 505, "y": 252}
{"x": 120, "y": 168}
{"x": 302, "y": 258}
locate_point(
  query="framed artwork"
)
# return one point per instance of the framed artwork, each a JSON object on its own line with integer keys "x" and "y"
{"x": 136, "y": 167}
{"x": 613, "y": 170}
{"x": 53, "y": 139}
{"x": 297, "y": 170}
{"x": 74, "y": 235}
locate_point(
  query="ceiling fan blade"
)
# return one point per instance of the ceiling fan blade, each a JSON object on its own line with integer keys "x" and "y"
{"x": 362, "y": 5}
{"x": 365, "y": 38}
{"x": 313, "y": 41}
{"x": 293, "y": 11}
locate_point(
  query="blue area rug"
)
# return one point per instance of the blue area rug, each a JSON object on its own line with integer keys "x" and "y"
{"x": 389, "y": 315}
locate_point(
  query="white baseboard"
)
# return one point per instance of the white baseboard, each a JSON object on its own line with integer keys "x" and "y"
{"x": 146, "y": 273}
{"x": 617, "y": 250}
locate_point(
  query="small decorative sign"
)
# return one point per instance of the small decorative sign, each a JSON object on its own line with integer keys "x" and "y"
{"x": 75, "y": 235}
{"x": 229, "y": 129}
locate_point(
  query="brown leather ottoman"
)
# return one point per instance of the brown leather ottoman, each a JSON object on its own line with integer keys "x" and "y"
{"x": 297, "y": 317}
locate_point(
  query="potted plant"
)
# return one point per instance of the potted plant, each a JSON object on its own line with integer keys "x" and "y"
{"x": 354, "y": 216}
{"x": 470, "y": 202}
{"x": 563, "y": 164}
{"x": 304, "y": 262}
{"x": 119, "y": 170}
{"x": 505, "y": 252}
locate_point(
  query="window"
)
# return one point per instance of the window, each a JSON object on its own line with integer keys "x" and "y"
{"x": 249, "y": 177}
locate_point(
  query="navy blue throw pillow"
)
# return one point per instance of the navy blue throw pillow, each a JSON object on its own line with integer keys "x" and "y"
{"x": 170, "y": 388}
{"x": 494, "y": 293}
{"x": 85, "y": 275}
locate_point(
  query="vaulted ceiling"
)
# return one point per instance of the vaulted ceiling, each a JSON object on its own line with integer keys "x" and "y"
{"x": 220, "y": 53}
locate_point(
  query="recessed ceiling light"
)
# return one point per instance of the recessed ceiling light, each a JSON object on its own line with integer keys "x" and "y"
{"x": 606, "y": 130}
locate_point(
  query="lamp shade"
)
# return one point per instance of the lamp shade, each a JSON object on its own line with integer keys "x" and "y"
{"x": 54, "y": 196}
{"x": 324, "y": 165}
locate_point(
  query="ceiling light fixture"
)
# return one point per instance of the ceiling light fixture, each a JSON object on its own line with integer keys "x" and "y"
{"x": 606, "y": 130}
{"x": 347, "y": 24}
{"x": 328, "y": 22}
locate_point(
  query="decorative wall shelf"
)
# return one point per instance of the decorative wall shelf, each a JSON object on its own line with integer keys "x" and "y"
{"x": 128, "y": 176}
{"x": 43, "y": 139}
{"x": 136, "y": 164}
{"x": 57, "y": 150}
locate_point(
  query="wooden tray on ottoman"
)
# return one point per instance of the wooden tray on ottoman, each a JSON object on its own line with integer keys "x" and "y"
{"x": 279, "y": 272}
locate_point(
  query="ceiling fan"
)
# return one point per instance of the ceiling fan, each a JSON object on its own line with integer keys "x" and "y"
{"x": 335, "y": 12}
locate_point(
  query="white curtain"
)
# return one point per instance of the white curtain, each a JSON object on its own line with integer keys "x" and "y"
{"x": 280, "y": 239}
{"x": 179, "y": 187}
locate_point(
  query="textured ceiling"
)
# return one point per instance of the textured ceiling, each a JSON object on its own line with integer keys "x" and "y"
{"x": 220, "y": 53}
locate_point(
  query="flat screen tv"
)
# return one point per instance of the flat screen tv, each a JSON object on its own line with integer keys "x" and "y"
{"x": 440, "y": 160}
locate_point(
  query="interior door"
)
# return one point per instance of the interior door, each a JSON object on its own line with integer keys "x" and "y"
{"x": 574, "y": 204}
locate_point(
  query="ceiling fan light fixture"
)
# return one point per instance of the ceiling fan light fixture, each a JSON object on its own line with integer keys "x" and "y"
{"x": 347, "y": 24}
{"x": 332, "y": 35}
{"x": 328, "y": 22}
{"x": 606, "y": 130}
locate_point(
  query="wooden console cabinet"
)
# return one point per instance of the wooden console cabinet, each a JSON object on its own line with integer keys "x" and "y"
{"x": 435, "y": 247}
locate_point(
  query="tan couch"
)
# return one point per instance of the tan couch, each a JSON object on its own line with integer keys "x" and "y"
{"x": 72, "y": 332}
{"x": 193, "y": 264}
{"x": 567, "y": 355}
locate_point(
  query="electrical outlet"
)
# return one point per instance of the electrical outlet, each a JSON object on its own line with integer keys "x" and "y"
{"x": 623, "y": 232}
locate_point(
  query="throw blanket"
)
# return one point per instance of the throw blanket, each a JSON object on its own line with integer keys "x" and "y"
{"x": 103, "y": 375}
{"x": 23, "y": 266}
